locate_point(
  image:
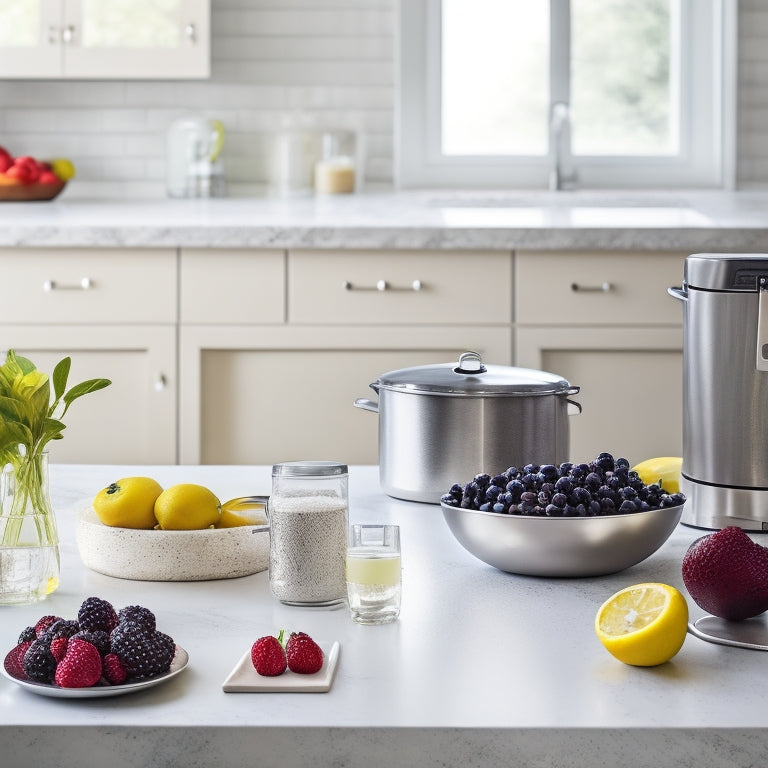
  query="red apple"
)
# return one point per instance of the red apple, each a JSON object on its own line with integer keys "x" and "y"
{"x": 25, "y": 169}
{"x": 6, "y": 160}
{"x": 48, "y": 177}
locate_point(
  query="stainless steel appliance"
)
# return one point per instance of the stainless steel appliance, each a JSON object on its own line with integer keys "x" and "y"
{"x": 443, "y": 424}
{"x": 725, "y": 390}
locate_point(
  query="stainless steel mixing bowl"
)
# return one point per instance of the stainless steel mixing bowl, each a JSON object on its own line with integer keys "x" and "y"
{"x": 561, "y": 546}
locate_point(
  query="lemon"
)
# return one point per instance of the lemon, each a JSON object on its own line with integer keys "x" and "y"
{"x": 643, "y": 625}
{"x": 237, "y": 512}
{"x": 128, "y": 503}
{"x": 664, "y": 469}
{"x": 63, "y": 168}
{"x": 187, "y": 507}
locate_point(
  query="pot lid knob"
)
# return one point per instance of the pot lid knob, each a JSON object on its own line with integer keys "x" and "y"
{"x": 470, "y": 362}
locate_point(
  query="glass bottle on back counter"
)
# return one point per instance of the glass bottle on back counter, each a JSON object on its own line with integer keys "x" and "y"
{"x": 308, "y": 516}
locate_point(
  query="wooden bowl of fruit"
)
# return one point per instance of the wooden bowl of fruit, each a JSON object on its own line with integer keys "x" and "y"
{"x": 25, "y": 179}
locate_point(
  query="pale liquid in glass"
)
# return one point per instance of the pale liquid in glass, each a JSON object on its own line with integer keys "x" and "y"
{"x": 373, "y": 585}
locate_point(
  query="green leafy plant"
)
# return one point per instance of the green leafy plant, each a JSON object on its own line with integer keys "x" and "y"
{"x": 28, "y": 422}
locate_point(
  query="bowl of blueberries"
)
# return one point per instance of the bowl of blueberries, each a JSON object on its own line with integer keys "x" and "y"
{"x": 567, "y": 520}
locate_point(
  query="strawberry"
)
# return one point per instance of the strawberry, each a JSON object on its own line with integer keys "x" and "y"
{"x": 14, "y": 658}
{"x": 81, "y": 667}
{"x": 59, "y": 647}
{"x": 114, "y": 669}
{"x": 304, "y": 655}
{"x": 268, "y": 656}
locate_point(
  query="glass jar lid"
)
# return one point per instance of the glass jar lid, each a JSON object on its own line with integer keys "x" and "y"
{"x": 309, "y": 469}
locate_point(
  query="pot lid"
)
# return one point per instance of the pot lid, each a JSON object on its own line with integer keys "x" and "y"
{"x": 725, "y": 271}
{"x": 471, "y": 377}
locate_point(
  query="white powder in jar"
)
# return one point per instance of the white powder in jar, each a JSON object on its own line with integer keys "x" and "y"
{"x": 308, "y": 547}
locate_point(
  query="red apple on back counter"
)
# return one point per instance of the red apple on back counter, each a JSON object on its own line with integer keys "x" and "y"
{"x": 6, "y": 160}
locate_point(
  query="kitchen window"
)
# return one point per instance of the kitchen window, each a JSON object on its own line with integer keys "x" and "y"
{"x": 584, "y": 93}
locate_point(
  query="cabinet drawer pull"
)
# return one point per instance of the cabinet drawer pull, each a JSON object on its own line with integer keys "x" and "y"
{"x": 84, "y": 285}
{"x": 68, "y": 34}
{"x": 191, "y": 32}
{"x": 383, "y": 285}
{"x": 602, "y": 288}
{"x": 161, "y": 382}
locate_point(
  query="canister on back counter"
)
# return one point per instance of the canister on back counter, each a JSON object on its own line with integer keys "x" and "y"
{"x": 336, "y": 172}
{"x": 308, "y": 513}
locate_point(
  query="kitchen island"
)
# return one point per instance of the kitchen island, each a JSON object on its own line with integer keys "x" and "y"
{"x": 483, "y": 668}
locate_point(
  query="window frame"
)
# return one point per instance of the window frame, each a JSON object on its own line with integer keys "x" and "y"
{"x": 707, "y": 158}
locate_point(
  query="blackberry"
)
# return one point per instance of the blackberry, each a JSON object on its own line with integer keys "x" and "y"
{"x": 39, "y": 664}
{"x": 139, "y": 615}
{"x": 97, "y": 637}
{"x": 61, "y": 628}
{"x": 27, "y": 635}
{"x": 143, "y": 653}
{"x": 96, "y": 613}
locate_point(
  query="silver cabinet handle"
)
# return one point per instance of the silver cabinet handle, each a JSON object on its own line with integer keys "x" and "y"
{"x": 161, "y": 382}
{"x": 191, "y": 32}
{"x": 67, "y": 34}
{"x": 602, "y": 288}
{"x": 84, "y": 285}
{"x": 383, "y": 285}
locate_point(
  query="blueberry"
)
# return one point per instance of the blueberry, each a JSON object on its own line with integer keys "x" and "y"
{"x": 621, "y": 463}
{"x": 559, "y": 500}
{"x": 565, "y": 468}
{"x": 500, "y": 508}
{"x": 593, "y": 481}
{"x": 553, "y": 510}
{"x": 482, "y": 480}
{"x": 605, "y": 462}
{"x": 607, "y": 507}
{"x": 628, "y": 492}
{"x": 564, "y": 485}
{"x": 500, "y": 481}
{"x": 549, "y": 473}
{"x": 627, "y": 506}
{"x": 484, "y": 507}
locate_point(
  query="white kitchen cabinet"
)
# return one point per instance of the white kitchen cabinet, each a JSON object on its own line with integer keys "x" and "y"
{"x": 100, "y": 39}
{"x": 113, "y": 311}
{"x": 272, "y": 373}
{"x": 617, "y": 335}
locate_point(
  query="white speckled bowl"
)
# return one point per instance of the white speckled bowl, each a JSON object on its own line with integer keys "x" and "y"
{"x": 154, "y": 555}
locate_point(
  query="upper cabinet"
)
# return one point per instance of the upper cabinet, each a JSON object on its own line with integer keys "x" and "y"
{"x": 101, "y": 39}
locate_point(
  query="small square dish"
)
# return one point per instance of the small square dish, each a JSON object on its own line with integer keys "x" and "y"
{"x": 245, "y": 679}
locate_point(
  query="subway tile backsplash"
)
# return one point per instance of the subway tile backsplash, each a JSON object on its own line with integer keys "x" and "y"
{"x": 279, "y": 63}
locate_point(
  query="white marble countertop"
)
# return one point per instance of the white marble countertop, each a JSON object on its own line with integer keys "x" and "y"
{"x": 695, "y": 221}
{"x": 482, "y": 668}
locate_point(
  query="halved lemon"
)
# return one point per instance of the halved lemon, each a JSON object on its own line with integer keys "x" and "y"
{"x": 643, "y": 625}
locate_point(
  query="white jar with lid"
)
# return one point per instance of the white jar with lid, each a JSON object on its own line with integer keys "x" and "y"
{"x": 308, "y": 516}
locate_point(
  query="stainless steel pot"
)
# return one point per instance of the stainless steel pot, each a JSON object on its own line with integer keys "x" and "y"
{"x": 725, "y": 390}
{"x": 443, "y": 424}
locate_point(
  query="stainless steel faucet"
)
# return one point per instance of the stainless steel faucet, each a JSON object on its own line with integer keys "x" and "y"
{"x": 558, "y": 125}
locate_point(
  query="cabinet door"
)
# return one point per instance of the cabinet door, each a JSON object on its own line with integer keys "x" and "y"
{"x": 137, "y": 38}
{"x": 30, "y": 38}
{"x": 256, "y": 395}
{"x": 631, "y": 386}
{"x": 133, "y": 421}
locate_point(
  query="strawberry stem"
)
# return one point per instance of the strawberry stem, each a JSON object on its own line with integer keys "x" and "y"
{"x": 280, "y": 637}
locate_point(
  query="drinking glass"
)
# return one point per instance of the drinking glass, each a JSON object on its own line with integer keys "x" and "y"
{"x": 373, "y": 573}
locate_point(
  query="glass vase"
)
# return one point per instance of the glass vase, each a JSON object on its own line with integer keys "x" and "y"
{"x": 29, "y": 540}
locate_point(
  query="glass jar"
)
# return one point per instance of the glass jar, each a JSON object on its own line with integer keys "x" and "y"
{"x": 335, "y": 171}
{"x": 308, "y": 515}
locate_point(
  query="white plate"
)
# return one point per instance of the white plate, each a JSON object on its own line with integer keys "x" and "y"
{"x": 180, "y": 661}
{"x": 245, "y": 679}
{"x": 751, "y": 633}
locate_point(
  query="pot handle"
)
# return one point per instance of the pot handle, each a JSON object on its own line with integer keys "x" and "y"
{"x": 366, "y": 404}
{"x": 573, "y": 408}
{"x": 678, "y": 293}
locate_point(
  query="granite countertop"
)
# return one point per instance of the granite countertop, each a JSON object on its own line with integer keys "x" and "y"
{"x": 482, "y": 668}
{"x": 691, "y": 221}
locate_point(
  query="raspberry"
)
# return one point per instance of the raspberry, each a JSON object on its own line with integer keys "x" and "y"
{"x": 268, "y": 656}
{"x": 114, "y": 669}
{"x": 27, "y": 635}
{"x": 96, "y": 613}
{"x": 139, "y": 615}
{"x": 304, "y": 655}
{"x": 14, "y": 660}
{"x": 144, "y": 652}
{"x": 39, "y": 664}
{"x": 43, "y": 624}
{"x": 98, "y": 637}
{"x": 59, "y": 647}
{"x": 80, "y": 668}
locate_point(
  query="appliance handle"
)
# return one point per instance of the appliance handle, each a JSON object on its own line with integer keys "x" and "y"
{"x": 762, "y": 324}
{"x": 678, "y": 293}
{"x": 573, "y": 408}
